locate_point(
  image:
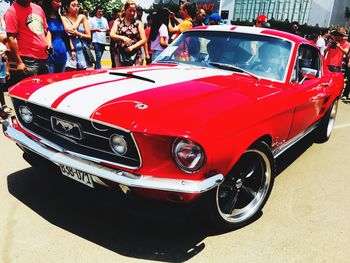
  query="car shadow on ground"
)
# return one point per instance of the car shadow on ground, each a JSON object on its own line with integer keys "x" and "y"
{"x": 293, "y": 153}
{"x": 135, "y": 229}
{"x": 109, "y": 220}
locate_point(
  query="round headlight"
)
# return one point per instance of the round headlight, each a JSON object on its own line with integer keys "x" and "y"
{"x": 25, "y": 113}
{"x": 118, "y": 144}
{"x": 188, "y": 155}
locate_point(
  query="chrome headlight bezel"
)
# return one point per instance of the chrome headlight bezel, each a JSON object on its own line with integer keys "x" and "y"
{"x": 180, "y": 145}
{"x": 26, "y": 114}
{"x": 117, "y": 140}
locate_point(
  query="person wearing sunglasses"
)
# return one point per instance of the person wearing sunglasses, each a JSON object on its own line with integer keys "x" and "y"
{"x": 78, "y": 29}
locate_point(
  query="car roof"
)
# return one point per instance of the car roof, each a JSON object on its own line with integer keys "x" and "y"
{"x": 256, "y": 31}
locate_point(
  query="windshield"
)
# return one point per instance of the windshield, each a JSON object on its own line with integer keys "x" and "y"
{"x": 262, "y": 56}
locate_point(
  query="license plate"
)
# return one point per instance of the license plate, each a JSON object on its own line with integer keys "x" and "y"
{"x": 77, "y": 175}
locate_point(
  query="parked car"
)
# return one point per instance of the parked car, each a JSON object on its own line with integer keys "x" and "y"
{"x": 203, "y": 123}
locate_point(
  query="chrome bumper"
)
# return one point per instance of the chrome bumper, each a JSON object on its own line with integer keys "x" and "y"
{"x": 118, "y": 176}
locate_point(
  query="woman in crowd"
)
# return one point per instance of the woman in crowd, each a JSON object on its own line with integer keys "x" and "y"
{"x": 187, "y": 11}
{"x": 159, "y": 34}
{"x": 85, "y": 12}
{"x": 77, "y": 27}
{"x": 129, "y": 34}
{"x": 57, "y": 39}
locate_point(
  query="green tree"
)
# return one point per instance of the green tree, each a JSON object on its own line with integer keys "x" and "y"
{"x": 108, "y": 6}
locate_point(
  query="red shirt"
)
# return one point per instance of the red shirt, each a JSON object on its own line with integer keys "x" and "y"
{"x": 29, "y": 24}
{"x": 335, "y": 55}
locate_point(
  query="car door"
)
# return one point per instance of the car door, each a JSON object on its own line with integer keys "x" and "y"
{"x": 308, "y": 89}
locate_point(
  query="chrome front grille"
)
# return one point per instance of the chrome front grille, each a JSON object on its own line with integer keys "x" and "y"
{"x": 95, "y": 136}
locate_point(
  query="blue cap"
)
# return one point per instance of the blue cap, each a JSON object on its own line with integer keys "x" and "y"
{"x": 215, "y": 17}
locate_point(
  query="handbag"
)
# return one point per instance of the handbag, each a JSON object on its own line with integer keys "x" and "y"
{"x": 127, "y": 58}
{"x": 88, "y": 53}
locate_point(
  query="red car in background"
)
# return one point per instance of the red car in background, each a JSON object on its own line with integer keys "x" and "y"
{"x": 204, "y": 122}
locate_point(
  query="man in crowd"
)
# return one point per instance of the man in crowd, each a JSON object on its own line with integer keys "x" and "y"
{"x": 261, "y": 21}
{"x": 294, "y": 28}
{"x": 214, "y": 19}
{"x": 4, "y": 70}
{"x": 147, "y": 33}
{"x": 98, "y": 27}
{"x": 116, "y": 14}
{"x": 313, "y": 38}
{"x": 26, "y": 29}
{"x": 336, "y": 49}
{"x": 144, "y": 49}
{"x": 322, "y": 41}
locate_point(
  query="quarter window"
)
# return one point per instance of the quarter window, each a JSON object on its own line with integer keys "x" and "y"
{"x": 308, "y": 58}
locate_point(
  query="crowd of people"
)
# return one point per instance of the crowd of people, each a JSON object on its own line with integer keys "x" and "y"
{"x": 52, "y": 36}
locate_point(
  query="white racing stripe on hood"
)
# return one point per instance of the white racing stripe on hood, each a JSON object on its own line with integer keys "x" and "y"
{"x": 48, "y": 94}
{"x": 85, "y": 102}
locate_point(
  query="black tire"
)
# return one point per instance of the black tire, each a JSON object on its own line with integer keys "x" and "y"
{"x": 245, "y": 190}
{"x": 324, "y": 130}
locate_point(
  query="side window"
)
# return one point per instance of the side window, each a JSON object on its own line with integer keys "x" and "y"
{"x": 308, "y": 59}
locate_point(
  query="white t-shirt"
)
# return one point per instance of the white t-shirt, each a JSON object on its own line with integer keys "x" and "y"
{"x": 99, "y": 37}
{"x": 2, "y": 27}
{"x": 163, "y": 32}
{"x": 321, "y": 43}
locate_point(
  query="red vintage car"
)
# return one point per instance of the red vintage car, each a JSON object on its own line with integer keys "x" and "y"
{"x": 203, "y": 123}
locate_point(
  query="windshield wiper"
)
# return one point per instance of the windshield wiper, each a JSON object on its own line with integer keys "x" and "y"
{"x": 130, "y": 75}
{"x": 166, "y": 61}
{"x": 232, "y": 68}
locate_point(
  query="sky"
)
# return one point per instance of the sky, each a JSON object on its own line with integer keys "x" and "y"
{"x": 3, "y": 7}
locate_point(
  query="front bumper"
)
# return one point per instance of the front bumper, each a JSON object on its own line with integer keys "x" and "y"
{"x": 58, "y": 156}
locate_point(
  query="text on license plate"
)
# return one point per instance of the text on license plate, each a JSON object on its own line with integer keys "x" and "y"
{"x": 80, "y": 176}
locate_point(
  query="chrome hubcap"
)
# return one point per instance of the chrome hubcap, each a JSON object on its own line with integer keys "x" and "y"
{"x": 332, "y": 119}
{"x": 241, "y": 194}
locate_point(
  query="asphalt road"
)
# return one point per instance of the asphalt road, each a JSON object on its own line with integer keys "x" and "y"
{"x": 47, "y": 218}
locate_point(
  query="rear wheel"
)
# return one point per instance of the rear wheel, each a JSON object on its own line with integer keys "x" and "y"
{"x": 245, "y": 190}
{"x": 324, "y": 130}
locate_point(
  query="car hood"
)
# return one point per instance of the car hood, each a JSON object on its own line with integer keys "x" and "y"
{"x": 160, "y": 99}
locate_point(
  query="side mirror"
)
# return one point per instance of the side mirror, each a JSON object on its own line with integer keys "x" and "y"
{"x": 308, "y": 73}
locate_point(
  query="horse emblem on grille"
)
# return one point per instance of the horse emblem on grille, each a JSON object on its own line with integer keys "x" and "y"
{"x": 67, "y": 128}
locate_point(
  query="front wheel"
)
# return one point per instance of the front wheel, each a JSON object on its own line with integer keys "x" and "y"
{"x": 245, "y": 190}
